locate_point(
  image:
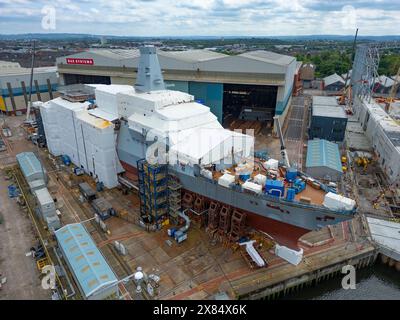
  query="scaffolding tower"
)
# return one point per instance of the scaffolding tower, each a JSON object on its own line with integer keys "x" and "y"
{"x": 174, "y": 199}
{"x": 153, "y": 190}
{"x": 365, "y": 68}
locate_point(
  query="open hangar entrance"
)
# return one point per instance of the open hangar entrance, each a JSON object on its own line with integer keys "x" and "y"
{"x": 248, "y": 106}
{"x": 70, "y": 79}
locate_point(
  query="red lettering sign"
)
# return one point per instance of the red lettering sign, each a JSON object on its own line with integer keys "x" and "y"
{"x": 80, "y": 61}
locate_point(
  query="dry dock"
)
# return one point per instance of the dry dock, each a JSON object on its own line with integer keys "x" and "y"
{"x": 198, "y": 268}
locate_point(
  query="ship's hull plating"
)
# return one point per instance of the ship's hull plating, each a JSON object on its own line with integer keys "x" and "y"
{"x": 285, "y": 221}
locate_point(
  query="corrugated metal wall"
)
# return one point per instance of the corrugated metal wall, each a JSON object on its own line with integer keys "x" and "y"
{"x": 328, "y": 128}
{"x": 211, "y": 94}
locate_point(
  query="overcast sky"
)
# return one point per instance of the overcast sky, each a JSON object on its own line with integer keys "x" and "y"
{"x": 201, "y": 17}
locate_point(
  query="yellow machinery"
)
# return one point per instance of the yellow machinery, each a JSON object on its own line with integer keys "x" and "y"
{"x": 344, "y": 163}
{"x": 376, "y": 202}
{"x": 2, "y": 104}
{"x": 362, "y": 162}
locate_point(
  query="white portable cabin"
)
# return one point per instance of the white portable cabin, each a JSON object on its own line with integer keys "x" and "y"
{"x": 45, "y": 203}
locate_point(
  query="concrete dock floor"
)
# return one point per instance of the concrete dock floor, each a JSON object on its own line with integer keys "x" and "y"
{"x": 195, "y": 269}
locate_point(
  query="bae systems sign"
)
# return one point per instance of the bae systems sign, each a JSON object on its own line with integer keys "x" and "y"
{"x": 80, "y": 61}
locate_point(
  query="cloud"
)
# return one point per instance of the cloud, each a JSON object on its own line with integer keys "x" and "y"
{"x": 205, "y": 17}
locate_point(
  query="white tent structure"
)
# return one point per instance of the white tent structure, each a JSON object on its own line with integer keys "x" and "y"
{"x": 191, "y": 130}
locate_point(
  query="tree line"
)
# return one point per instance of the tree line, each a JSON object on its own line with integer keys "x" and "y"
{"x": 335, "y": 61}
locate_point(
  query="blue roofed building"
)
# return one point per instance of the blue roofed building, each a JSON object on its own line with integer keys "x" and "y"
{"x": 323, "y": 160}
{"x": 92, "y": 274}
{"x": 34, "y": 173}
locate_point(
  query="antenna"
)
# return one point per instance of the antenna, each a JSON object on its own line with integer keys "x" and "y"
{"x": 28, "y": 110}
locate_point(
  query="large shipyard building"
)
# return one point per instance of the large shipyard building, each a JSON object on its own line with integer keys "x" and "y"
{"x": 261, "y": 81}
{"x": 15, "y": 86}
{"x": 384, "y": 134}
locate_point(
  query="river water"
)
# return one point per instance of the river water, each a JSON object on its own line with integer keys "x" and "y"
{"x": 378, "y": 282}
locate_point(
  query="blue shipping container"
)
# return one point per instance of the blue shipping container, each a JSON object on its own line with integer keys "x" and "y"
{"x": 275, "y": 188}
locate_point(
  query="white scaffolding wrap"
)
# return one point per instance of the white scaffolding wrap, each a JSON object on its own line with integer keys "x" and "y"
{"x": 89, "y": 141}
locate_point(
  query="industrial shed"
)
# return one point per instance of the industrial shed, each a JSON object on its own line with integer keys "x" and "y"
{"x": 383, "y": 133}
{"x": 334, "y": 82}
{"x": 383, "y": 84}
{"x": 324, "y": 101}
{"x": 14, "y": 86}
{"x": 323, "y": 160}
{"x": 328, "y": 122}
{"x": 259, "y": 79}
{"x": 307, "y": 74}
{"x": 34, "y": 173}
{"x": 93, "y": 275}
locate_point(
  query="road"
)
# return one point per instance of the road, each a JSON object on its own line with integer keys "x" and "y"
{"x": 294, "y": 133}
{"x": 16, "y": 238}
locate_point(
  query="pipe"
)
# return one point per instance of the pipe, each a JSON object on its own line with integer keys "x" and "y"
{"x": 127, "y": 183}
{"x": 187, "y": 219}
{"x": 198, "y": 213}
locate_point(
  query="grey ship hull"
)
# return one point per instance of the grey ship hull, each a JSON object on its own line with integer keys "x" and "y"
{"x": 284, "y": 220}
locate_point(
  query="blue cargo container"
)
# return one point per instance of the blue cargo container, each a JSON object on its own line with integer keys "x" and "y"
{"x": 275, "y": 188}
{"x": 291, "y": 193}
{"x": 291, "y": 174}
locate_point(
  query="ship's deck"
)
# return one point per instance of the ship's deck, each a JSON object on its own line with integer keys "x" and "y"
{"x": 316, "y": 196}
{"x": 312, "y": 194}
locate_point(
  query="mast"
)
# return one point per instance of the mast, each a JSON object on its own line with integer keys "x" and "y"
{"x": 28, "y": 111}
